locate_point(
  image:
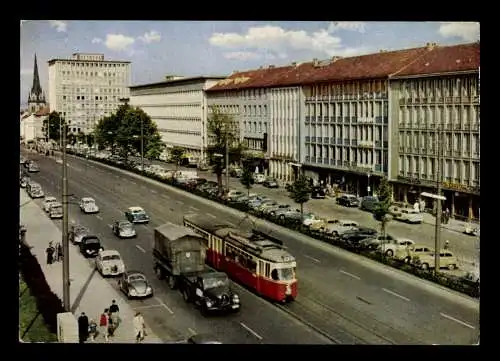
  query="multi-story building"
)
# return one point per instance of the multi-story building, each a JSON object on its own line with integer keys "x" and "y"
{"x": 435, "y": 112}
{"x": 86, "y": 88}
{"x": 179, "y": 107}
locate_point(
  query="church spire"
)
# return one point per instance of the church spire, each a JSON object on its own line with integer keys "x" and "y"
{"x": 36, "y": 98}
{"x": 36, "y": 89}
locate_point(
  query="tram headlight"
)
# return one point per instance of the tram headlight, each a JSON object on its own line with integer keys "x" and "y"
{"x": 209, "y": 303}
{"x": 236, "y": 299}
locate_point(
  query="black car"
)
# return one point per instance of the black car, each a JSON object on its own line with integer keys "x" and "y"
{"x": 270, "y": 183}
{"x": 318, "y": 192}
{"x": 352, "y": 238}
{"x": 348, "y": 200}
{"x": 90, "y": 246}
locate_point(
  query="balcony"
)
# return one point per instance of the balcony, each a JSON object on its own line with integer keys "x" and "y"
{"x": 347, "y": 141}
{"x": 313, "y": 139}
{"x": 346, "y": 119}
{"x": 326, "y": 140}
{"x": 365, "y": 144}
{"x": 332, "y": 119}
{"x": 319, "y": 118}
{"x": 339, "y": 163}
{"x": 332, "y": 161}
{"x": 354, "y": 119}
{"x": 354, "y": 164}
{"x": 386, "y": 144}
{"x": 319, "y": 160}
{"x": 345, "y": 163}
{"x": 339, "y": 119}
{"x": 313, "y": 159}
{"x": 378, "y": 167}
{"x": 339, "y": 141}
{"x": 354, "y": 142}
{"x": 312, "y": 119}
{"x": 308, "y": 118}
{"x": 386, "y": 120}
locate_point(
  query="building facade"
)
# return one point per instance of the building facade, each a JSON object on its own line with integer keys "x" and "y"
{"x": 437, "y": 132}
{"x": 36, "y": 98}
{"x": 86, "y": 88}
{"x": 179, "y": 107}
{"x": 31, "y": 126}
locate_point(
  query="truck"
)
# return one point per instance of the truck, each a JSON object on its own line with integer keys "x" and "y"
{"x": 179, "y": 257}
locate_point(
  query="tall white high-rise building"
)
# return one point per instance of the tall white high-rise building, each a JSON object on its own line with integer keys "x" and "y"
{"x": 86, "y": 88}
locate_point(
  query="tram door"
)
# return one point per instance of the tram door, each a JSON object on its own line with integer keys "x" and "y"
{"x": 260, "y": 273}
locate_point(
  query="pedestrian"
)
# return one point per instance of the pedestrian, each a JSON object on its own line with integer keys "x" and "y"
{"x": 114, "y": 311}
{"x": 446, "y": 245}
{"x": 83, "y": 327}
{"x": 422, "y": 205}
{"x": 138, "y": 323}
{"x": 111, "y": 325}
{"x": 104, "y": 323}
{"x": 92, "y": 330}
{"x": 59, "y": 252}
{"x": 50, "y": 253}
{"x": 447, "y": 215}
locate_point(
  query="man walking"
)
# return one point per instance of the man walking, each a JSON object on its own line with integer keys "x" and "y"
{"x": 50, "y": 253}
{"x": 114, "y": 311}
{"x": 139, "y": 327}
{"x": 83, "y": 327}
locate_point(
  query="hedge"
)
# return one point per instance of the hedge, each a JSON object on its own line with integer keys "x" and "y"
{"x": 452, "y": 282}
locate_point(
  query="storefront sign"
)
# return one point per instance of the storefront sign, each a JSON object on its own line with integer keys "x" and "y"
{"x": 460, "y": 187}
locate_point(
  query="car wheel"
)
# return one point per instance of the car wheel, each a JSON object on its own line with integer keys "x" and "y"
{"x": 451, "y": 267}
{"x": 425, "y": 266}
{"x": 389, "y": 253}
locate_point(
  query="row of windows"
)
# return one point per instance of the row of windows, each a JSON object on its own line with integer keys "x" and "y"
{"x": 73, "y": 64}
{"x": 353, "y": 109}
{"x": 76, "y": 73}
{"x": 244, "y": 259}
{"x": 456, "y": 141}
{"x": 351, "y": 88}
{"x": 254, "y": 110}
{"x": 254, "y": 144}
{"x": 444, "y": 87}
{"x": 179, "y": 131}
{"x": 255, "y": 127}
{"x": 359, "y": 132}
{"x": 440, "y": 114}
{"x": 91, "y": 90}
{"x": 363, "y": 156}
{"x": 455, "y": 169}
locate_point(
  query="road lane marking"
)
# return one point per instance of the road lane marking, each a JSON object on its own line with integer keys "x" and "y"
{"x": 164, "y": 306}
{"x": 193, "y": 332}
{"x": 312, "y": 258}
{"x": 251, "y": 331}
{"x": 395, "y": 294}
{"x": 140, "y": 248}
{"x": 179, "y": 202}
{"x": 153, "y": 191}
{"x": 194, "y": 208}
{"x": 350, "y": 275}
{"x": 99, "y": 217}
{"x": 211, "y": 215}
{"x": 457, "y": 321}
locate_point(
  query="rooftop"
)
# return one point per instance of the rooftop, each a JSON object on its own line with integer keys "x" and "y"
{"x": 177, "y": 81}
{"x": 43, "y": 112}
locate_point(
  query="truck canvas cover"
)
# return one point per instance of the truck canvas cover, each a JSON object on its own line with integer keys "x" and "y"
{"x": 181, "y": 248}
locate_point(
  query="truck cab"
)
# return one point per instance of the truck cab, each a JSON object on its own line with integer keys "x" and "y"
{"x": 211, "y": 291}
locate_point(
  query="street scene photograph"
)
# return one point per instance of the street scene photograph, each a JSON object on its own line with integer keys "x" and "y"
{"x": 249, "y": 182}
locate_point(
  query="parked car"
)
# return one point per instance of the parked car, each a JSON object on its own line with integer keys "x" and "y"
{"x": 35, "y": 190}
{"x": 284, "y": 213}
{"x": 135, "y": 285}
{"x": 124, "y": 229}
{"x": 236, "y": 172}
{"x": 90, "y": 245}
{"x": 88, "y": 205}
{"x": 33, "y": 168}
{"x": 266, "y": 204}
{"x": 342, "y": 226}
{"x": 109, "y": 263}
{"x": 409, "y": 215}
{"x": 395, "y": 247}
{"x": 77, "y": 232}
{"x": 271, "y": 211}
{"x": 56, "y": 210}
{"x": 446, "y": 260}
{"x": 233, "y": 194}
{"x": 270, "y": 183}
{"x": 369, "y": 203}
{"x": 47, "y": 202}
{"x": 348, "y": 200}
{"x": 318, "y": 192}
{"x": 396, "y": 208}
{"x": 23, "y": 182}
{"x": 259, "y": 178}
{"x": 136, "y": 215}
{"x": 471, "y": 230}
{"x": 310, "y": 220}
{"x": 352, "y": 239}
{"x": 413, "y": 251}
{"x": 372, "y": 243}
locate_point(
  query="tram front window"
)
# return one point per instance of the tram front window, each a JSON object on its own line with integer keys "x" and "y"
{"x": 283, "y": 274}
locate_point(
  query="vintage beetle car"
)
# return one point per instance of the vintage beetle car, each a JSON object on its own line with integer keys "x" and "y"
{"x": 47, "y": 202}
{"x": 109, "y": 263}
{"x": 76, "y": 233}
{"x": 135, "y": 285}
{"x": 88, "y": 205}
{"x": 136, "y": 215}
{"x": 56, "y": 210}
{"x": 90, "y": 246}
{"x": 124, "y": 229}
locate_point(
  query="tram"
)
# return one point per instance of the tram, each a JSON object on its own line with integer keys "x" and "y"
{"x": 253, "y": 259}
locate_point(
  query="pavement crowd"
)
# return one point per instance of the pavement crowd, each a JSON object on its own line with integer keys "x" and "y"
{"x": 89, "y": 292}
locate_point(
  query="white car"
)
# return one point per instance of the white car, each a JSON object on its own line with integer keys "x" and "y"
{"x": 396, "y": 247}
{"x": 409, "y": 215}
{"x": 56, "y": 210}
{"x": 259, "y": 178}
{"x": 310, "y": 220}
{"x": 87, "y": 205}
{"x": 471, "y": 230}
{"x": 109, "y": 263}
{"x": 47, "y": 202}
{"x": 341, "y": 227}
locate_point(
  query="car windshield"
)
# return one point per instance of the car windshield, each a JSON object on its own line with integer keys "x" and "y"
{"x": 283, "y": 274}
{"x": 126, "y": 226}
{"x": 92, "y": 241}
{"x": 56, "y": 208}
{"x": 88, "y": 201}
{"x": 136, "y": 278}
{"x": 112, "y": 257}
{"x": 213, "y": 282}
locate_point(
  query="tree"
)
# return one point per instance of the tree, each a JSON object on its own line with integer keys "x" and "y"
{"x": 90, "y": 140}
{"x": 381, "y": 212}
{"x": 176, "y": 154}
{"x": 54, "y": 122}
{"x": 81, "y": 137}
{"x": 105, "y": 132}
{"x": 221, "y": 130}
{"x": 300, "y": 192}
{"x": 71, "y": 139}
{"x": 154, "y": 147}
{"x": 247, "y": 178}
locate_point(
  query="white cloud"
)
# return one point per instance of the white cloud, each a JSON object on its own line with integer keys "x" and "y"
{"x": 59, "y": 25}
{"x": 358, "y": 26}
{"x": 96, "y": 41}
{"x": 242, "y": 55}
{"x": 150, "y": 37}
{"x": 118, "y": 42}
{"x": 274, "y": 40}
{"x": 467, "y": 31}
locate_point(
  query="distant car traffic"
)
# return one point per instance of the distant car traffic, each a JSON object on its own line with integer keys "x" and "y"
{"x": 136, "y": 215}
{"x": 88, "y": 205}
{"x": 109, "y": 263}
{"x": 124, "y": 229}
{"x": 135, "y": 285}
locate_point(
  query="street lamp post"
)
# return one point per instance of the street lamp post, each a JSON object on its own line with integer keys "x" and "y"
{"x": 65, "y": 241}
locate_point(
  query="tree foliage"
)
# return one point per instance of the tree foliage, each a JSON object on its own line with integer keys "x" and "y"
{"x": 300, "y": 191}
{"x": 381, "y": 212}
{"x": 90, "y": 140}
{"x": 71, "y": 139}
{"x": 54, "y": 122}
{"x": 176, "y": 154}
{"x": 128, "y": 131}
{"x": 81, "y": 137}
{"x": 247, "y": 178}
{"x": 222, "y": 132}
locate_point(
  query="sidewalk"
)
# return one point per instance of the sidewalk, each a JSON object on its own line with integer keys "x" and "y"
{"x": 452, "y": 225}
{"x": 89, "y": 292}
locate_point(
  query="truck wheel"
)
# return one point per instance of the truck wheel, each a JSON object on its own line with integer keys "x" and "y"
{"x": 159, "y": 273}
{"x": 171, "y": 282}
{"x": 185, "y": 296}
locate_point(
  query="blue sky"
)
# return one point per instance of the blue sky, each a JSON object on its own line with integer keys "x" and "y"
{"x": 158, "y": 48}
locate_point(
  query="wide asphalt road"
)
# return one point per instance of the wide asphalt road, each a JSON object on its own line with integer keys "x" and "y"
{"x": 464, "y": 246}
{"x": 345, "y": 298}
